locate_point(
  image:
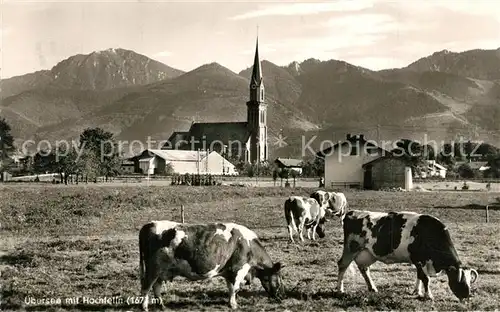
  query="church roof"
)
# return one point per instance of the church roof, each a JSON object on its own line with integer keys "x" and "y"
{"x": 220, "y": 131}
{"x": 176, "y": 137}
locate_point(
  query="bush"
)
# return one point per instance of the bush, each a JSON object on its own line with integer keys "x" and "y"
{"x": 466, "y": 172}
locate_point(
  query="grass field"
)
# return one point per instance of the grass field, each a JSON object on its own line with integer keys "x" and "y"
{"x": 60, "y": 242}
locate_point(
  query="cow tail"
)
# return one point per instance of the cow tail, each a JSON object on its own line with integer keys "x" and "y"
{"x": 141, "y": 261}
{"x": 143, "y": 248}
{"x": 290, "y": 220}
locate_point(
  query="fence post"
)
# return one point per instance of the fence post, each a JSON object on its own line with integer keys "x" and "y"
{"x": 182, "y": 213}
{"x": 487, "y": 214}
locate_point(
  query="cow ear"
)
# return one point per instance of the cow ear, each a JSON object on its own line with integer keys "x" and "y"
{"x": 277, "y": 267}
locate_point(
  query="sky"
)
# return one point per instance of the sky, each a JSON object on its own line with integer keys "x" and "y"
{"x": 374, "y": 34}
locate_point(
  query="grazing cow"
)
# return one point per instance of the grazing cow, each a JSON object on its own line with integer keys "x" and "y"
{"x": 403, "y": 237}
{"x": 304, "y": 212}
{"x": 335, "y": 202}
{"x": 203, "y": 251}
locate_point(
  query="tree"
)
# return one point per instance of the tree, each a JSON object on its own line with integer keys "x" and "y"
{"x": 275, "y": 175}
{"x": 63, "y": 161}
{"x": 265, "y": 169}
{"x": 284, "y": 173}
{"x": 169, "y": 169}
{"x": 294, "y": 174}
{"x": 88, "y": 166}
{"x": 6, "y": 142}
{"x": 43, "y": 162}
{"x": 494, "y": 170}
{"x": 313, "y": 167}
{"x": 487, "y": 151}
{"x": 413, "y": 152}
{"x": 466, "y": 172}
{"x": 102, "y": 145}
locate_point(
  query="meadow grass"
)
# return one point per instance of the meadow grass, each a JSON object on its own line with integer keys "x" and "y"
{"x": 62, "y": 242}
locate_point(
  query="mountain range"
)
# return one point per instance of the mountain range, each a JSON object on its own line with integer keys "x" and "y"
{"x": 444, "y": 95}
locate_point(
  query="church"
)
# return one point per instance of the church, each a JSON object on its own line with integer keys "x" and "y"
{"x": 245, "y": 140}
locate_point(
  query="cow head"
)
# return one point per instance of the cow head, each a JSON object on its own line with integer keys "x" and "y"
{"x": 321, "y": 197}
{"x": 460, "y": 280}
{"x": 320, "y": 229}
{"x": 270, "y": 279}
{"x": 336, "y": 203}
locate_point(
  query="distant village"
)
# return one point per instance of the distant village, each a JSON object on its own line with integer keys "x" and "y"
{"x": 356, "y": 167}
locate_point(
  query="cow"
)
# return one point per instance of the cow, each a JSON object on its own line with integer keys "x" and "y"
{"x": 335, "y": 202}
{"x": 203, "y": 251}
{"x": 403, "y": 237}
{"x": 304, "y": 212}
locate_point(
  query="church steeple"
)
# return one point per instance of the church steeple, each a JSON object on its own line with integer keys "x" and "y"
{"x": 257, "y": 113}
{"x": 256, "y": 78}
{"x": 256, "y": 81}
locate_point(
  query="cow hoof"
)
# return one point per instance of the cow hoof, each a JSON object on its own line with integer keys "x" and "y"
{"x": 417, "y": 294}
{"x": 424, "y": 298}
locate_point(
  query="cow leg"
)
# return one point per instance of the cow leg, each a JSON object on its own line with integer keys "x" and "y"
{"x": 301, "y": 229}
{"x": 290, "y": 232}
{"x": 426, "y": 281}
{"x": 149, "y": 280}
{"x": 309, "y": 233}
{"x": 314, "y": 230}
{"x": 233, "y": 284}
{"x": 343, "y": 264}
{"x": 157, "y": 292}
{"x": 418, "y": 288}
{"x": 364, "y": 260}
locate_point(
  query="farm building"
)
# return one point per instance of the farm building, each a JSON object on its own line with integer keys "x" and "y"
{"x": 156, "y": 161}
{"x": 344, "y": 161}
{"x": 289, "y": 163}
{"x": 384, "y": 172}
{"x": 127, "y": 166}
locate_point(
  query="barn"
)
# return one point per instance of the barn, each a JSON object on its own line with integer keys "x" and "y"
{"x": 289, "y": 163}
{"x": 155, "y": 161}
{"x": 344, "y": 161}
{"x": 385, "y": 172}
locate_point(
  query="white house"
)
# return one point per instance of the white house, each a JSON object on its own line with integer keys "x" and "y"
{"x": 436, "y": 170}
{"x": 344, "y": 162}
{"x": 155, "y": 161}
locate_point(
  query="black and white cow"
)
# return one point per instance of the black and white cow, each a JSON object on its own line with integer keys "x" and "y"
{"x": 310, "y": 213}
{"x": 403, "y": 237}
{"x": 203, "y": 251}
{"x": 304, "y": 212}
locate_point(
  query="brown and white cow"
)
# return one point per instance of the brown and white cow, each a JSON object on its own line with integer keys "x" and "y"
{"x": 335, "y": 202}
{"x": 203, "y": 251}
{"x": 403, "y": 237}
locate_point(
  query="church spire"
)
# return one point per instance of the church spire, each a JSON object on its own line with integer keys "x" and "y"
{"x": 256, "y": 78}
